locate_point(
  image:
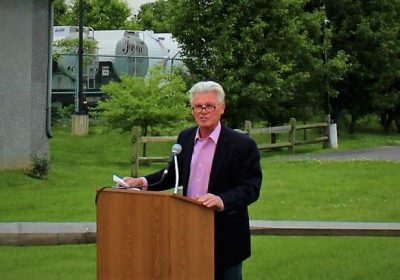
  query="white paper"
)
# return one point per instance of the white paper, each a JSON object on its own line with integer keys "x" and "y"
{"x": 120, "y": 182}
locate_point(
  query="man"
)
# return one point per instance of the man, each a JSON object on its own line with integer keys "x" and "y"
{"x": 220, "y": 168}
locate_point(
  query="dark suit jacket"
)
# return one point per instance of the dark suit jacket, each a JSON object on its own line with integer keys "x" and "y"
{"x": 235, "y": 177}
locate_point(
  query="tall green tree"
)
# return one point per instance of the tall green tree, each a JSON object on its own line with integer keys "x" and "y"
{"x": 60, "y": 10}
{"x": 266, "y": 54}
{"x": 100, "y": 14}
{"x": 368, "y": 31}
{"x": 154, "y": 16}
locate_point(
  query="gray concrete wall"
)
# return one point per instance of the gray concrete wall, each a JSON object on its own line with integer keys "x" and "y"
{"x": 24, "y": 54}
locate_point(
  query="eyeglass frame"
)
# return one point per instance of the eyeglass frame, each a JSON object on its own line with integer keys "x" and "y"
{"x": 209, "y": 108}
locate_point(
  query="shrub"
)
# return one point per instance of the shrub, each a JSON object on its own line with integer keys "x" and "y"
{"x": 61, "y": 114}
{"x": 158, "y": 100}
{"x": 39, "y": 166}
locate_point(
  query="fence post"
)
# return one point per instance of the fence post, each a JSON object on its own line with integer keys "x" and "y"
{"x": 135, "y": 152}
{"x": 292, "y": 134}
{"x": 247, "y": 127}
{"x": 326, "y": 144}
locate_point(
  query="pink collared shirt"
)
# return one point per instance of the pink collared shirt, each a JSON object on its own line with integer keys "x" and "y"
{"x": 202, "y": 158}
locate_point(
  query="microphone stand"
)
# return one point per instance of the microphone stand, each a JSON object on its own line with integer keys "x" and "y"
{"x": 177, "y": 190}
{"x": 176, "y": 149}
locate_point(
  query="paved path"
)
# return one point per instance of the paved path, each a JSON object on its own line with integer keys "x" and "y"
{"x": 382, "y": 153}
{"x": 45, "y": 233}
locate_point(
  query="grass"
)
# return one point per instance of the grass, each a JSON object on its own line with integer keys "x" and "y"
{"x": 329, "y": 190}
{"x": 327, "y": 258}
{"x": 274, "y": 258}
{"x": 78, "y": 166}
{"x": 292, "y": 190}
{"x": 48, "y": 262}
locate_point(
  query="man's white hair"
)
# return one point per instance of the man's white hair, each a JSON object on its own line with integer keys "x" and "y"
{"x": 207, "y": 86}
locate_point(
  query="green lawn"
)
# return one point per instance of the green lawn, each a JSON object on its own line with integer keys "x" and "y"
{"x": 274, "y": 258}
{"x": 329, "y": 190}
{"x": 292, "y": 190}
{"x": 48, "y": 262}
{"x": 323, "y": 258}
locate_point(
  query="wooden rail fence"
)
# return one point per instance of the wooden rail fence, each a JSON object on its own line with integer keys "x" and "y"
{"x": 137, "y": 140}
{"x": 291, "y": 130}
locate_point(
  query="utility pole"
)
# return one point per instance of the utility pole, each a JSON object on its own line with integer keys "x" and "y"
{"x": 331, "y": 130}
{"x": 79, "y": 107}
{"x": 80, "y": 120}
{"x": 325, "y": 25}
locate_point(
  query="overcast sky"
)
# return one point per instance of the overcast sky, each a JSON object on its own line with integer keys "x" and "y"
{"x": 135, "y": 4}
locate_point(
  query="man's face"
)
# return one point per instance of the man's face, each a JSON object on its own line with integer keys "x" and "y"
{"x": 206, "y": 102}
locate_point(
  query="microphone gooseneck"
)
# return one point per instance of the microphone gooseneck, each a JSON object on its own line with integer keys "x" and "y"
{"x": 176, "y": 150}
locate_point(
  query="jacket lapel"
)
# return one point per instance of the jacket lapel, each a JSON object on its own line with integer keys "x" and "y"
{"x": 219, "y": 157}
{"x": 187, "y": 158}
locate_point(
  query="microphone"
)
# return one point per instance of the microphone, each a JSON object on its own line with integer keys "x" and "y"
{"x": 176, "y": 150}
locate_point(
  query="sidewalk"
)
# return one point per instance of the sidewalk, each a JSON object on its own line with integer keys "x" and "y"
{"x": 59, "y": 233}
{"x": 391, "y": 153}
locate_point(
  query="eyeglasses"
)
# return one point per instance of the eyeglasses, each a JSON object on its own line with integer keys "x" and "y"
{"x": 208, "y": 108}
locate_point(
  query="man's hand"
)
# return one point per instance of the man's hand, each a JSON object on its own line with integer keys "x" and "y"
{"x": 211, "y": 201}
{"x": 133, "y": 182}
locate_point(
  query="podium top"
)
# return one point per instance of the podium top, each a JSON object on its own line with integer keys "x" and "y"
{"x": 153, "y": 193}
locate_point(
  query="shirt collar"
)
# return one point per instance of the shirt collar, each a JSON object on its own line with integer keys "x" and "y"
{"x": 214, "y": 134}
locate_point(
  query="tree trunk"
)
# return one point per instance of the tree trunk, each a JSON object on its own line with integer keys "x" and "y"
{"x": 397, "y": 117}
{"x": 353, "y": 123}
{"x": 389, "y": 121}
{"x": 397, "y": 121}
{"x": 383, "y": 118}
{"x": 386, "y": 120}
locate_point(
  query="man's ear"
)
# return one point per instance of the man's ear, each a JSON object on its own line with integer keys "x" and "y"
{"x": 223, "y": 108}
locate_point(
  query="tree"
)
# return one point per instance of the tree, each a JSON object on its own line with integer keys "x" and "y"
{"x": 266, "y": 54}
{"x": 60, "y": 9}
{"x": 369, "y": 32}
{"x": 70, "y": 46}
{"x": 100, "y": 14}
{"x": 154, "y": 16}
{"x": 158, "y": 100}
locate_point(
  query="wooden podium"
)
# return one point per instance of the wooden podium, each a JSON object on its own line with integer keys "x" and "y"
{"x": 153, "y": 235}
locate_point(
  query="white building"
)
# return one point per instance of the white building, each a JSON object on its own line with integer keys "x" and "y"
{"x": 24, "y": 85}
